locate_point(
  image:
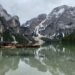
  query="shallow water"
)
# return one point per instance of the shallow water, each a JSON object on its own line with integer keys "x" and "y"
{"x": 47, "y": 60}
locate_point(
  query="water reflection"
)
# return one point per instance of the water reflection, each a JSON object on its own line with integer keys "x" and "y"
{"x": 49, "y": 60}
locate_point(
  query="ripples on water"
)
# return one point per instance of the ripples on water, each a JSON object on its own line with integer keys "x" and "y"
{"x": 49, "y": 60}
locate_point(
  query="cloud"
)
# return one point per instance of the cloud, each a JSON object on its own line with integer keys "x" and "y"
{"x": 27, "y": 9}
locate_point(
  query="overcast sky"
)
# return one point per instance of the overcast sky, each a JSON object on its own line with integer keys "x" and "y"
{"x": 27, "y": 9}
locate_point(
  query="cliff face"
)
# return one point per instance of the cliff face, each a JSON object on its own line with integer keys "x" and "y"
{"x": 11, "y": 30}
{"x": 7, "y": 21}
{"x": 14, "y": 23}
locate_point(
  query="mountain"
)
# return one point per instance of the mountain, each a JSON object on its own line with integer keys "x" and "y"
{"x": 11, "y": 30}
{"x": 35, "y": 23}
{"x": 57, "y": 24}
{"x": 61, "y": 21}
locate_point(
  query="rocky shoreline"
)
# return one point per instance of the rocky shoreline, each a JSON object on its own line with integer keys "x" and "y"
{"x": 17, "y": 45}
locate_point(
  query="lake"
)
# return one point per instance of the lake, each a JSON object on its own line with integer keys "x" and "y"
{"x": 46, "y": 60}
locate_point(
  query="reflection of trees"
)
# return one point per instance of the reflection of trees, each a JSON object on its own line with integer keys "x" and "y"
{"x": 57, "y": 59}
{"x": 18, "y": 52}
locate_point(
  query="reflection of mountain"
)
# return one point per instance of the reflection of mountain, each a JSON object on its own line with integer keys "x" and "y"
{"x": 56, "y": 59}
{"x": 7, "y": 63}
{"x": 9, "y": 59}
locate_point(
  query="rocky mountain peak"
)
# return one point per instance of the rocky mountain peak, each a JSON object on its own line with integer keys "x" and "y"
{"x": 3, "y": 13}
{"x": 15, "y": 17}
{"x": 58, "y": 11}
{"x": 1, "y": 8}
{"x": 42, "y": 16}
{"x": 34, "y": 22}
{"x": 8, "y": 22}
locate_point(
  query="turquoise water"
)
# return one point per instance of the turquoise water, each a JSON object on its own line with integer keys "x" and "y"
{"x": 47, "y": 60}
